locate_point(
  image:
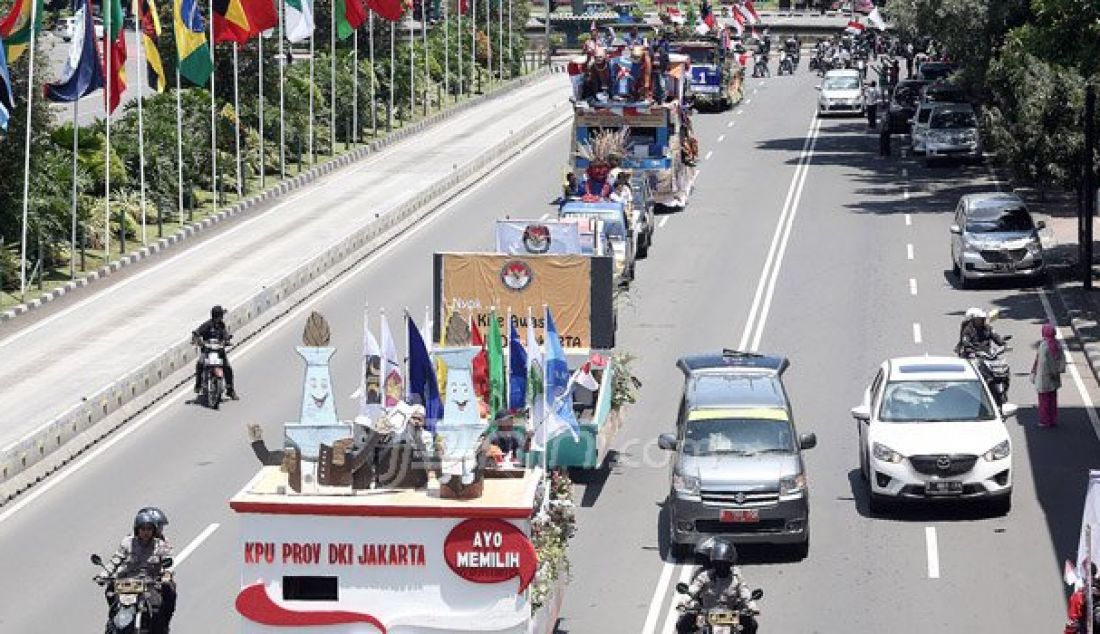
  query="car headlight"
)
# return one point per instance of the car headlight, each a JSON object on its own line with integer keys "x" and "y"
{"x": 685, "y": 485}
{"x": 791, "y": 485}
{"x": 937, "y": 136}
{"x": 886, "y": 454}
{"x": 999, "y": 451}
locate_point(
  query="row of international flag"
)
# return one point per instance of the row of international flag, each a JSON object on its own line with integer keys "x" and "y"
{"x": 87, "y": 67}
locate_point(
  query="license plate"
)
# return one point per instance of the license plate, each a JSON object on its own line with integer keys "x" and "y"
{"x": 1004, "y": 267}
{"x": 943, "y": 487}
{"x": 739, "y": 515}
{"x": 721, "y": 618}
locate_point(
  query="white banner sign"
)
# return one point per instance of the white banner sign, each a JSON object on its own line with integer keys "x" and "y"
{"x": 537, "y": 237}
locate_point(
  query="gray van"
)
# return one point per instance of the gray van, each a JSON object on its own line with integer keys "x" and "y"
{"x": 738, "y": 469}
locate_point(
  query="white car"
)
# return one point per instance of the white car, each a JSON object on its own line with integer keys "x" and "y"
{"x": 930, "y": 429}
{"x": 841, "y": 92}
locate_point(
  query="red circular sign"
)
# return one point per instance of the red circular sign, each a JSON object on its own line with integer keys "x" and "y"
{"x": 490, "y": 551}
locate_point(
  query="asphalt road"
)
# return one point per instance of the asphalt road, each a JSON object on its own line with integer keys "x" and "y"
{"x": 839, "y": 294}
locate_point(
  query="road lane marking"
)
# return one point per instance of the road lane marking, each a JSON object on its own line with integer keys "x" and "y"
{"x": 909, "y": 251}
{"x": 905, "y": 172}
{"x": 721, "y": 137}
{"x": 748, "y": 101}
{"x": 289, "y": 318}
{"x": 709, "y": 154}
{"x": 663, "y": 222}
{"x": 933, "y": 552}
{"x": 912, "y": 286}
{"x": 755, "y": 90}
{"x": 1090, "y": 409}
{"x": 729, "y": 124}
{"x": 194, "y": 545}
{"x": 908, "y": 220}
{"x": 905, "y": 192}
{"x": 916, "y": 333}
{"x": 544, "y": 216}
{"x": 740, "y": 110}
{"x": 655, "y": 604}
{"x": 669, "y": 626}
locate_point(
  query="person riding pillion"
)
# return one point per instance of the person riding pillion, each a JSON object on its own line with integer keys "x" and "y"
{"x": 215, "y": 329}
{"x": 143, "y": 552}
{"x": 720, "y": 583}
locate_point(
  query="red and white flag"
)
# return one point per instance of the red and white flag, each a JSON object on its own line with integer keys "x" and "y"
{"x": 854, "y": 27}
{"x": 738, "y": 22}
{"x": 752, "y": 11}
{"x": 875, "y": 18}
{"x": 747, "y": 15}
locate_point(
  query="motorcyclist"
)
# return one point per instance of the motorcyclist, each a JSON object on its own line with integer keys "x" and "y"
{"x": 143, "y": 552}
{"x": 214, "y": 329}
{"x": 718, "y": 584}
{"x": 976, "y": 334}
{"x": 168, "y": 590}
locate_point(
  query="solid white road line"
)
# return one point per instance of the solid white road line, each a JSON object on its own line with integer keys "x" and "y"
{"x": 916, "y": 333}
{"x": 908, "y": 220}
{"x": 669, "y": 626}
{"x": 193, "y": 546}
{"x": 663, "y": 222}
{"x": 655, "y": 604}
{"x": 709, "y": 154}
{"x": 912, "y": 286}
{"x": 933, "y": 548}
{"x": 290, "y": 318}
{"x": 721, "y": 137}
{"x": 1073, "y": 372}
{"x": 909, "y": 251}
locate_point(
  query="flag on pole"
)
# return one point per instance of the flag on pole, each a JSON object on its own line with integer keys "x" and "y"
{"x": 370, "y": 389}
{"x": 559, "y": 386}
{"x": 391, "y": 10}
{"x": 498, "y": 399}
{"x": 82, "y": 73}
{"x": 480, "y": 365}
{"x": 7, "y": 101}
{"x": 854, "y": 27}
{"x": 230, "y": 22}
{"x": 150, "y": 38}
{"x": 192, "y": 49}
{"x": 535, "y": 387}
{"x": 752, "y": 11}
{"x": 393, "y": 383}
{"x": 262, "y": 15}
{"x": 15, "y": 28}
{"x": 738, "y": 22}
{"x": 707, "y": 15}
{"x": 422, "y": 378}
{"x": 299, "y": 20}
{"x": 517, "y": 372}
{"x": 463, "y": 7}
{"x": 875, "y": 18}
{"x": 115, "y": 43}
{"x": 350, "y": 15}
{"x": 746, "y": 13}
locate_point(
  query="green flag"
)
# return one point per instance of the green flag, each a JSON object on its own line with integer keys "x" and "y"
{"x": 498, "y": 397}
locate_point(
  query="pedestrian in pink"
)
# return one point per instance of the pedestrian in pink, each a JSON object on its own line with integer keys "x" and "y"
{"x": 1046, "y": 374}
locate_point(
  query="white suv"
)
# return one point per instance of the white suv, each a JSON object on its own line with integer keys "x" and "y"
{"x": 929, "y": 429}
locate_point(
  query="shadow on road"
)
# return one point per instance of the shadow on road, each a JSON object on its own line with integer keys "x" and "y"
{"x": 594, "y": 480}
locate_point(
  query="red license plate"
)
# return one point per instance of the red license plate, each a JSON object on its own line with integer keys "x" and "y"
{"x": 739, "y": 515}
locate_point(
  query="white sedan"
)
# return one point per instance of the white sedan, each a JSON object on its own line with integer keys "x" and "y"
{"x": 929, "y": 429}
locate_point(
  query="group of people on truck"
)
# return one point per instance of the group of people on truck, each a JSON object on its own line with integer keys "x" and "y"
{"x": 635, "y": 73}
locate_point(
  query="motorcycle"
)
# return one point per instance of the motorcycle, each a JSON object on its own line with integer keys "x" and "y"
{"x": 718, "y": 619}
{"x": 135, "y": 601}
{"x": 760, "y": 67}
{"x": 213, "y": 372}
{"x": 995, "y": 370}
{"x": 785, "y": 64}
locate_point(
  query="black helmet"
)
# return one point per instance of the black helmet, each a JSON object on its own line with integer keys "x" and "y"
{"x": 723, "y": 557}
{"x": 158, "y": 516}
{"x": 217, "y": 311}
{"x": 145, "y": 518}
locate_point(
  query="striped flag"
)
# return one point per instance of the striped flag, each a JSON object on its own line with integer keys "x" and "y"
{"x": 230, "y": 22}
{"x": 15, "y": 28}
{"x": 150, "y": 38}
{"x": 350, "y": 15}
{"x": 192, "y": 49}
{"x": 7, "y": 103}
{"x": 82, "y": 74}
{"x": 114, "y": 44}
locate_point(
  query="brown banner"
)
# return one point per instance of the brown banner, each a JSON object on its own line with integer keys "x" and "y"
{"x": 475, "y": 282}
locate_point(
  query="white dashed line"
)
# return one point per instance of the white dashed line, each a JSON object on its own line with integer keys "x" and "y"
{"x": 195, "y": 543}
{"x": 909, "y": 251}
{"x": 673, "y": 614}
{"x": 912, "y": 286}
{"x": 662, "y": 583}
{"x": 663, "y": 222}
{"x": 748, "y": 101}
{"x": 721, "y": 138}
{"x": 908, "y": 220}
{"x": 905, "y": 172}
{"x": 933, "y": 552}
{"x": 709, "y": 154}
{"x": 905, "y": 192}
{"x": 740, "y": 110}
{"x": 916, "y": 333}
{"x": 754, "y": 91}
{"x": 729, "y": 125}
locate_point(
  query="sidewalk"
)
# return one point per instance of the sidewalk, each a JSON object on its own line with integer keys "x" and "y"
{"x": 55, "y": 363}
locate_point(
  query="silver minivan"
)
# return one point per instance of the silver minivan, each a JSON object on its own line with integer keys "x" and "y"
{"x": 737, "y": 470}
{"x": 993, "y": 235}
{"x": 952, "y": 133}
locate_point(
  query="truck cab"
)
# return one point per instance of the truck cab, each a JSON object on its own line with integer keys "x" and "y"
{"x": 614, "y": 225}
{"x": 712, "y": 72}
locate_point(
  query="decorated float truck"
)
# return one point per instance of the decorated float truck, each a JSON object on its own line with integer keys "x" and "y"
{"x": 362, "y": 527}
{"x": 715, "y": 74}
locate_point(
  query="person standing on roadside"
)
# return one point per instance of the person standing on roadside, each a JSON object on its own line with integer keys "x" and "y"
{"x": 1046, "y": 374}
{"x": 870, "y": 103}
{"x": 884, "y": 138}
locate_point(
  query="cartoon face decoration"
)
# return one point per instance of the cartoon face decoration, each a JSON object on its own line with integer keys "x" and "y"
{"x": 536, "y": 238}
{"x": 318, "y": 391}
{"x": 460, "y": 394}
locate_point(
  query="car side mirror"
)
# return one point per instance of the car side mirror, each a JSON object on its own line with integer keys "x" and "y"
{"x": 1009, "y": 410}
{"x": 1041, "y": 225}
{"x": 682, "y": 588}
{"x": 757, "y": 594}
{"x": 861, "y": 412}
{"x": 956, "y": 229}
{"x": 667, "y": 442}
{"x": 807, "y": 441}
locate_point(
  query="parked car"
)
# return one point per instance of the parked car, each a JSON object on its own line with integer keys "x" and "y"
{"x": 841, "y": 92}
{"x": 929, "y": 429}
{"x": 738, "y": 469}
{"x": 942, "y": 92}
{"x": 918, "y": 127}
{"x": 993, "y": 235}
{"x": 931, "y": 71}
{"x": 903, "y": 105}
{"x": 952, "y": 133}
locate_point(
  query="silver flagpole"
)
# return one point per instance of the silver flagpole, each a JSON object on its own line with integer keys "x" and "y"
{"x": 424, "y": 39}
{"x": 311, "y": 68}
{"x": 332, "y": 87}
{"x": 282, "y": 100}
{"x": 412, "y": 67}
{"x": 511, "y": 51}
{"x": 179, "y": 144}
{"x": 260, "y": 61}
{"x": 76, "y": 146}
{"x": 446, "y": 53}
{"x": 489, "y": 39}
{"x": 27, "y": 159}
{"x": 500, "y": 38}
{"x": 373, "y": 91}
{"x": 473, "y": 43}
{"x": 393, "y": 62}
{"x": 355, "y": 87}
{"x": 107, "y": 184}
{"x": 213, "y": 115}
{"x": 460, "y": 36}
{"x": 237, "y": 120}
{"x": 143, "y": 75}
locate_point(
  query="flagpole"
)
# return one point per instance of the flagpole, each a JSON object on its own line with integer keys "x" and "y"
{"x": 489, "y": 40}
{"x": 282, "y": 100}
{"x": 143, "y": 75}
{"x": 179, "y": 144}
{"x": 393, "y": 62}
{"x": 27, "y": 159}
{"x": 446, "y": 53}
{"x": 213, "y": 115}
{"x": 511, "y": 44}
{"x": 311, "y": 80}
{"x": 459, "y": 27}
{"x": 424, "y": 39}
{"x": 412, "y": 67}
{"x": 260, "y": 63}
{"x": 76, "y": 146}
{"x": 473, "y": 41}
{"x": 373, "y": 79}
{"x": 237, "y": 119}
{"x": 500, "y": 38}
{"x": 108, "y": 54}
{"x": 332, "y": 87}
{"x": 355, "y": 88}
{"x": 508, "y": 362}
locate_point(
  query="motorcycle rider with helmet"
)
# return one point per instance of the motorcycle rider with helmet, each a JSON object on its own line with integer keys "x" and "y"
{"x": 720, "y": 583}
{"x": 214, "y": 329}
{"x": 143, "y": 552}
{"x": 976, "y": 333}
{"x": 168, "y": 590}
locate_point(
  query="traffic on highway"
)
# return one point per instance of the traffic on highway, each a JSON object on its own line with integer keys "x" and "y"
{"x": 616, "y": 382}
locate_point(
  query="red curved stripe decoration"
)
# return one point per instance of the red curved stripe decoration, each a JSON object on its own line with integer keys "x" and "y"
{"x": 254, "y": 604}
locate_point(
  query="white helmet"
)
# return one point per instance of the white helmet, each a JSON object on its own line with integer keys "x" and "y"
{"x": 975, "y": 313}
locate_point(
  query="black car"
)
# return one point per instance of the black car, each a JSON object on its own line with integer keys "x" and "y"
{"x": 931, "y": 71}
{"x": 942, "y": 92}
{"x": 903, "y": 104}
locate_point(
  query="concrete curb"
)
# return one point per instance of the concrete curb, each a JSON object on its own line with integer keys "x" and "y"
{"x": 58, "y": 442}
{"x": 280, "y": 189}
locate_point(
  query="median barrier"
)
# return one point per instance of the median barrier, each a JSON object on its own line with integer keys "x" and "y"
{"x": 65, "y": 437}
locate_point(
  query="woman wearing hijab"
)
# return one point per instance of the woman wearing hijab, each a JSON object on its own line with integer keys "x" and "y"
{"x": 1046, "y": 374}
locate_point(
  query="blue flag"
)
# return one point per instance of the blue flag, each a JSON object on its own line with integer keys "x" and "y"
{"x": 559, "y": 387}
{"x": 422, "y": 381}
{"x": 7, "y": 102}
{"x": 82, "y": 73}
{"x": 517, "y": 372}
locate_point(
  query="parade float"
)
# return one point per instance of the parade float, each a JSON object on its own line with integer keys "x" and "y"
{"x": 396, "y": 522}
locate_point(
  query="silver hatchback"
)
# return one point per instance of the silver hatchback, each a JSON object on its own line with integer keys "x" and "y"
{"x": 994, "y": 236}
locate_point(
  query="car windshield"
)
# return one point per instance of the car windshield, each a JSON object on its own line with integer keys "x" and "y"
{"x": 738, "y": 436}
{"x": 999, "y": 221}
{"x": 841, "y": 83}
{"x": 700, "y": 55}
{"x": 923, "y": 114}
{"x": 954, "y": 120}
{"x": 726, "y": 389}
{"x": 612, "y": 222}
{"x": 935, "y": 71}
{"x": 935, "y": 402}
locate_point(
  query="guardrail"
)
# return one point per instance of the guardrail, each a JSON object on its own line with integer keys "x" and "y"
{"x": 64, "y": 438}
